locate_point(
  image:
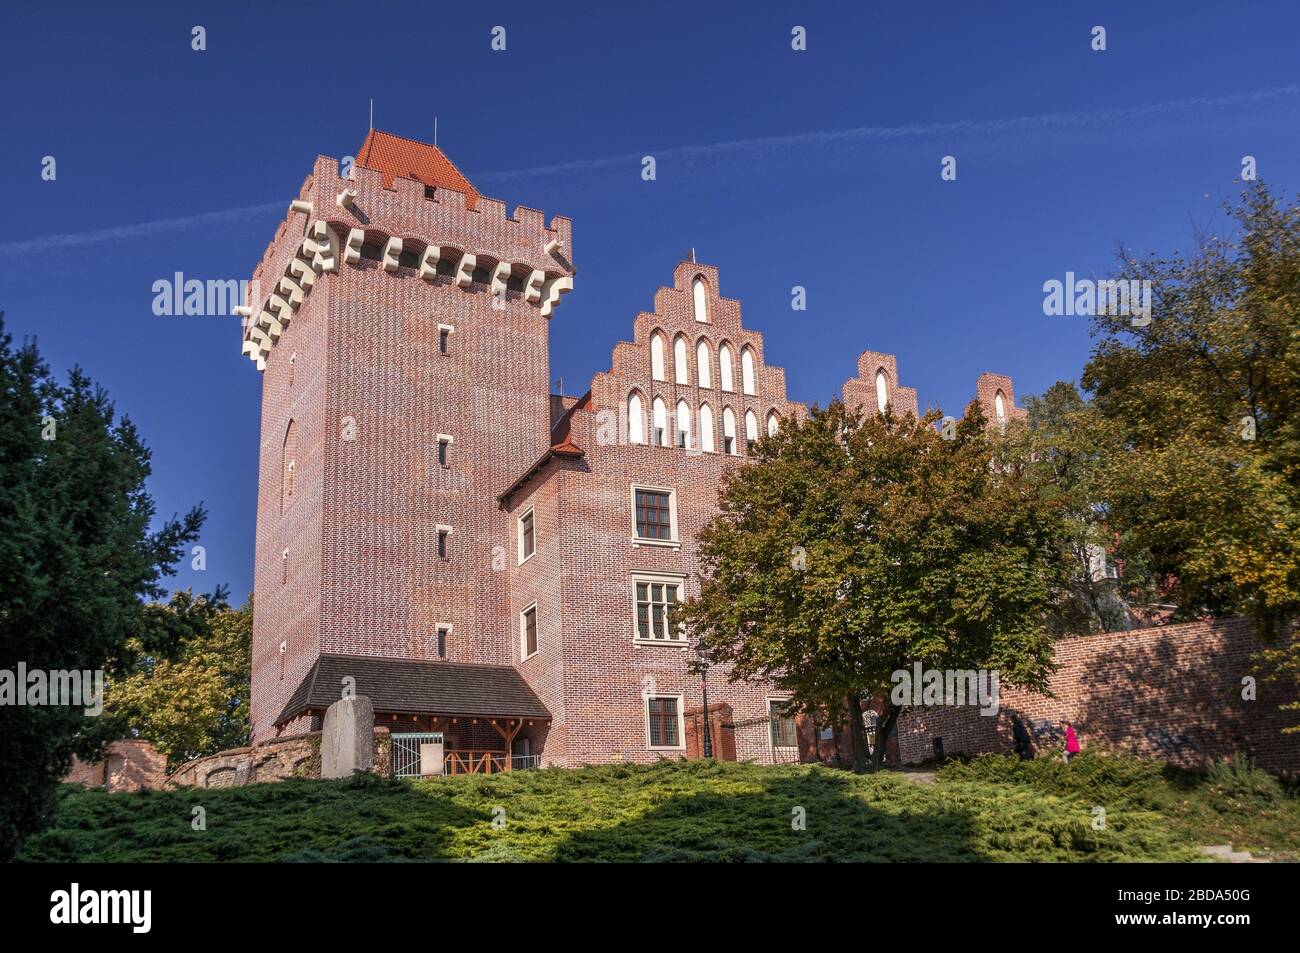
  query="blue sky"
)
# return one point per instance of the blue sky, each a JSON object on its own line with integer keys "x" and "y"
{"x": 817, "y": 168}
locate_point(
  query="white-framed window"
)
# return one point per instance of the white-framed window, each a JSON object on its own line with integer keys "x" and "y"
{"x": 635, "y": 418}
{"x": 729, "y": 431}
{"x": 654, "y": 516}
{"x": 442, "y": 632}
{"x": 782, "y": 733}
{"x": 706, "y": 428}
{"x": 527, "y": 534}
{"x": 659, "y": 423}
{"x": 882, "y": 390}
{"x": 655, "y": 598}
{"x": 444, "y": 449}
{"x": 657, "y": 356}
{"x": 444, "y": 538}
{"x": 664, "y": 727}
{"x": 700, "y": 297}
{"x": 681, "y": 372}
{"x": 683, "y": 424}
{"x": 445, "y": 332}
{"x": 703, "y": 361}
{"x": 528, "y": 632}
{"x": 747, "y": 370}
{"x": 725, "y": 380}
{"x": 751, "y": 426}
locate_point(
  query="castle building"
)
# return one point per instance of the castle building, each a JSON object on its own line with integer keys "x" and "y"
{"x": 438, "y": 531}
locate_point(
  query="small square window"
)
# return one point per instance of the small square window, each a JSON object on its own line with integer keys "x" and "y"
{"x": 654, "y": 514}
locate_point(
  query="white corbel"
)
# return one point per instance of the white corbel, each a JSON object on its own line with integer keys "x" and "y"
{"x": 465, "y": 270}
{"x": 356, "y": 238}
{"x": 500, "y": 275}
{"x": 553, "y": 245}
{"x": 346, "y": 198}
{"x": 291, "y": 291}
{"x": 392, "y": 254}
{"x": 533, "y": 286}
{"x": 300, "y": 205}
{"x": 429, "y": 262}
{"x": 301, "y": 271}
{"x": 551, "y": 292}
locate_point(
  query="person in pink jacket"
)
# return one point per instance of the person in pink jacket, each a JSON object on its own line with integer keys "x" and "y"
{"x": 1071, "y": 742}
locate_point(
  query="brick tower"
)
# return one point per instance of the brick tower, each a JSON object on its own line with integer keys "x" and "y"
{"x": 400, "y": 321}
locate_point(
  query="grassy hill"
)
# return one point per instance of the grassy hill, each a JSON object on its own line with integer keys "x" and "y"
{"x": 993, "y": 808}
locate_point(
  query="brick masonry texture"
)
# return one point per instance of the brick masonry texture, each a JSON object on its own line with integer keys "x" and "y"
{"x": 1170, "y": 692}
{"x": 349, "y": 562}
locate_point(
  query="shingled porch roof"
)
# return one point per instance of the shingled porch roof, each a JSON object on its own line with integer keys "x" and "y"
{"x": 406, "y": 686}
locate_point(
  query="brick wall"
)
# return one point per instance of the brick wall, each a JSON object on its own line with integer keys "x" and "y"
{"x": 1171, "y": 692}
{"x": 127, "y": 765}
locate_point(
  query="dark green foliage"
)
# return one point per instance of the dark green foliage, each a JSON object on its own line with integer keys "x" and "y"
{"x": 991, "y": 809}
{"x": 79, "y": 550}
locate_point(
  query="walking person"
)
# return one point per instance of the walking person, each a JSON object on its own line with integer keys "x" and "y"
{"x": 1022, "y": 745}
{"x": 1071, "y": 742}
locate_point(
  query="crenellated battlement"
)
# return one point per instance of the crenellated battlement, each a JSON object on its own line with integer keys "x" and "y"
{"x": 430, "y": 230}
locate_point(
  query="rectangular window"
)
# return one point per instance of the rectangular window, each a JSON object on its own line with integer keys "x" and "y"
{"x": 729, "y": 444}
{"x": 657, "y": 598}
{"x": 664, "y": 721}
{"x": 443, "y": 632}
{"x": 654, "y": 514}
{"x": 528, "y": 632}
{"x": 444, "y": 338}
{"x": 444, "y": 449}
{"x": 681, "y": 439}
{"x": 443, "y": 533}
{"x": 783, "y": 735}
{"x": 527, "y": 539}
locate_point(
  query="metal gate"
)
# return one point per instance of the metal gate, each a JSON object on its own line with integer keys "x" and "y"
{"x": 406, "y": 751}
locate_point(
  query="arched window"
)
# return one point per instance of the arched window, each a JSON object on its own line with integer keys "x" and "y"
{"x": 680, "y": 371}
{"x": 659, "y": 425}
{"x": 882, "y": 390}
{"x": 657, "y": 356}
{"x": 700, "y": 293}
{"x": 683, "y": 424}
{"x": 729, "y": 431}
{"x": 747, "y": 371}
{"x": 751, "y": 426}
{"x": 635, "y": 419}
{"x": 1000, "y": 407}
{"x": 288, "y": 464}
{"x": 703, "y": 361}
{"x": 724, "y": 368}
{"x": 706, "y": 429}
{"x": 773, "y": 425}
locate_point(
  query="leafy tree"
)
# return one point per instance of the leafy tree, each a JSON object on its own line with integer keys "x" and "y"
{"x": 196, "y": 703}
{"x": 77, "y": 555}
{"x": 1203, "y": 401}
{"x": 853, "y": 546}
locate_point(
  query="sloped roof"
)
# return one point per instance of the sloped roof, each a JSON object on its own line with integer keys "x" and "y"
{"x": 562, "y": 445}
{"x": 395, "y": 157}
{"x": 407, "y": 686}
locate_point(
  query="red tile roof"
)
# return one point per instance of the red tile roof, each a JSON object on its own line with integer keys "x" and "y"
{"x": 394, "y": 157}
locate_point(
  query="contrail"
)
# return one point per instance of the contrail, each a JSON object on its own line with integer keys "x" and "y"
{"x": 868, "y": 134}
{"x": 859, "y": 134}
{"x": 47, "y": 242}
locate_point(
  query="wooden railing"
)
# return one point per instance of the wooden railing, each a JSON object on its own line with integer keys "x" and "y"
{"x": 468, "y": 761}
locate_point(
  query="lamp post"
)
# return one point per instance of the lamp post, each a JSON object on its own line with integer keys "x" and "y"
{"x": 702, "y": 663}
